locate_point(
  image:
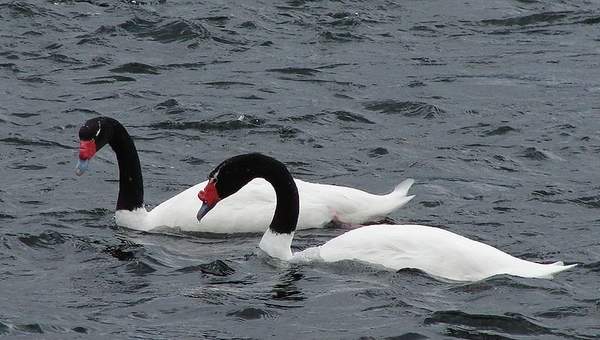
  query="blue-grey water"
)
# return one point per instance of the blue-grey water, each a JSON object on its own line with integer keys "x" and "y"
{"x": 492, "y": 106}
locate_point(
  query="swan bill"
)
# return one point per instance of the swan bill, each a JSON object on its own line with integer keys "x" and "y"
{"x": 82, "y": 166}
{"x": 87, "y": 150}
{"x": 209, "y": 197}
{"x": 204, "y": 209}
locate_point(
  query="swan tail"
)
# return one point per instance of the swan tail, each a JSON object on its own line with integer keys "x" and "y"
{"x": 394, "y": 200}
{"x": 560, "y": 265}
{"x": 402, "y": 201}
{"x": 402, "y": 188}
{"x": 366, "y": 207}
{"x": 399, "y": 197}
{"x": 549, "y": 270}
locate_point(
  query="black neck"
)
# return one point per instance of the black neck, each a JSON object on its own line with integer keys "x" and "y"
{"x": 131, "y": 184}
{"x": 255, "y": 165}
{"x": 285, "y": 218}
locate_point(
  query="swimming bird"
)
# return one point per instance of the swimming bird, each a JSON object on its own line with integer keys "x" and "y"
{"x": 437, "y": 252}
{"x": 249, "y": 211}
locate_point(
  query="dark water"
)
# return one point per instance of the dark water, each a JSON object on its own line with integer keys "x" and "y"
{"x": 491, "y": 106}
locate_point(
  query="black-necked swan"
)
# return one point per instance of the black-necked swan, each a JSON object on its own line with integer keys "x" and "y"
{"x": 436, "y": 251}
{"x": 249, "y": 211}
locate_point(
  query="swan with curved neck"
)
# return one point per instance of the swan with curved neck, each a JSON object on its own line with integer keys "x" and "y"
{"x": 435, "y": 251}
{"x": 249, "y": 211}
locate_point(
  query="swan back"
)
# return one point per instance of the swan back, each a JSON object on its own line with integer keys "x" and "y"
{"x": 433, "y": 250}
{"x": 252, "y": 207}
{"x": 345, "y": 204}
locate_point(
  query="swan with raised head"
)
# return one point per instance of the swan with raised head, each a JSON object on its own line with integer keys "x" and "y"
{"x": 249, "y": 211}
{"x": 436, "y": 251}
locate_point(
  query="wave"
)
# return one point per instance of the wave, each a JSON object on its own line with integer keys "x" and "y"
{"x": 173, "y": 31}
{"x": 406, "y": 108}
{"x": 510, "y": 323}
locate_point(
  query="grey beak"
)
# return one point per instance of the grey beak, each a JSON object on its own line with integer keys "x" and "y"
{"x": 204, "y": 209}
{"x": 82, "y": 166}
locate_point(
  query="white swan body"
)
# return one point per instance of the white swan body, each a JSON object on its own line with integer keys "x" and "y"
{"x": 435, "y": 251}
{"x": 251, "y": 209}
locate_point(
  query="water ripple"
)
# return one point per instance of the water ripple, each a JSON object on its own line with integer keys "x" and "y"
{"x": 136, "y": 67}
{"x": 28, "y": 10}
{"x": 533, "y": 19}
{"x": 46, "y": 239}
{"x": 174, "y": 31}
{"x": 347, "y": 116}
{"x": 512, "y": 323}
{"x": 592, "y": 202}
{"x": 407, "y": 108}
{"x": 252, "y": 313}
{"x": 534, "y": 154}
{"x": 216, "y": 268}
{"x": 295, "y": 70}
{"x": 234, "y": 124}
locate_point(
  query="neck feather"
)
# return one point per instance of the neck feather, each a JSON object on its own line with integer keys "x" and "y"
{"x": 131, "y": 184}
{"x": 287, "y": 208}
{"x": 277, "y": 245}
{"x": 277, "y": 240}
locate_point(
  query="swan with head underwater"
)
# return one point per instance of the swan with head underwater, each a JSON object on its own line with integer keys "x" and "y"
{"x": 249, "y": 211}
{"x": 436, "y": 251}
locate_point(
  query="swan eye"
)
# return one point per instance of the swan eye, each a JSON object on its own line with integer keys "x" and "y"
{"x": 213, "y": 177}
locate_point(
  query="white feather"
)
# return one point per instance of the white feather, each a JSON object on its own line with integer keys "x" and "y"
{"x": 435, "y": 251}
{"x": 251, "y": 209}
{"x": 277, "y": 245}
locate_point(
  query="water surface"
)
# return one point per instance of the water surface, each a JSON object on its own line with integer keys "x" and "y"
{"x": 492, "y": 107}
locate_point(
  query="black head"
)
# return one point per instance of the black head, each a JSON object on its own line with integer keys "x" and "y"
{"x": 93, "y": 135}
{"x": 232, "y": 174}
{"x": 97, "y": 129}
